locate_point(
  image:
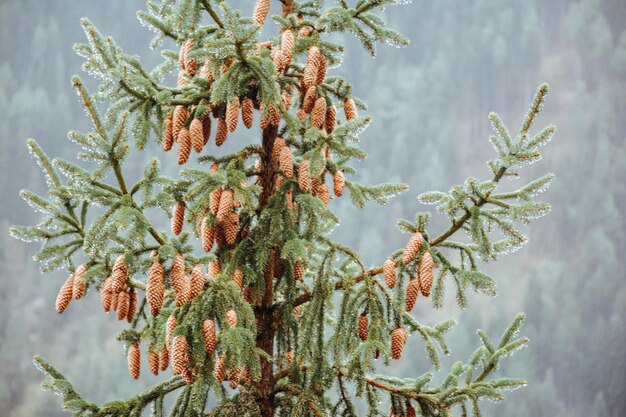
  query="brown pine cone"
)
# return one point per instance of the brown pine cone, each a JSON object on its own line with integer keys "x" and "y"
{"x": 206, "y": 128}
{"x": 227, "y": 204}
{"x": 247, "y": 112}
{"x": 215, "y": 268}
{"x": 316, "y": 186}
{"x": 132, "y": 305}
{"x": 425, "y": 272}
{"x": 399, "y": 338}
{"x": 232, "y": 114}
{"x": 155, "y": 289}
{"x": 331, "y": 119}
{"x": 299, "y": 270}
{"x": 65, "y": 294}
{"x": 208, "y": 236}
{"x": 79, "y": 286}
{"x": 363, "y": 327}
{"x": 412, "y": 248}
{"x": 349, "y": 108}
{"x": 123, "y": 304}
{"x": 279, "y": 144}
{"x": 261, "y": 10}
{"x": 178, "y": 272}
{"x": 339, "y": 182}
{"x": 180, "y": 355}
{"x": 389, "y": 272}
{"x": 238, "y": 278}
{"x": 231, "y": 227}
{"x": 168, "y": 135}
{"x": 185, "y": 47}
{"x": 318, "y": 114}
{"x": 234, "y": 376}
{"x": 274, "y": 115}
{"x": 214, "y": 204}
{"x": 197, "y": 135}
{"x": 310, "y": 97}
{"x": 164, "y": 359}
{"x": 206, "y": 71}
{"x": 301, "y": 115}
{"x": 120, "y": 272}
{"x": 184, "y": 295}
{"x": 322, "y": 68}
{"x": 309, "y": 76}
{"x": 133, "y": 357}
{"x": 153, "y": 360}
{"x": 182, "y": 79}
{"x": 208, "y": 333}
{"x": 231, "y": 318}
{"x": 197, "y": 281}
{"x": 170, "y": 325}
{"x": 179, "y": 118}
{"x": 412, "y": 291}
{"x": 285, "y": 162}
{"x": 287, "y": 42}
{"x": 178, "y": 217}
{"x": 184, "y": 146}
{"x": 220, "y": 370}
{"x": 106, "y": 294}
{"x": 305, "y": 31}
{"x": 324, "y": 194}
{"x": 222, "y": 132}
{"x": 304, "y": 176}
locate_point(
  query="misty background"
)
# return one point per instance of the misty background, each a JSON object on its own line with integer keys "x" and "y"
{"x": 429, "y": 104}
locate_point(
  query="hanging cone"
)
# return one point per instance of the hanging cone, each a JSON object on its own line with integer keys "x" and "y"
{"x": 133, "y": 357}
{"x": 309, "y": 76}
{"x": 363, "y": 327}
{"x": 118, "y": 277}
{"x": 214, "y": 204}
{"x": 304, "y": 176}
{"x": 215, "y": 268}
{"x": 389, "y": 272}
{"x": 106, "y": 294}
{"x": 412, "y": 291}
{"x": 324, "y": 194}
{"x": 197, "y": 281}
{"x": 206, "y": 128}
{"x": 79, "y": 287}
{"x": 155, "y": 289}
{"x": 425, "y": 272}
{"x": 153, "y": 360}
{"x": 412, "y": 248}
{"x": 231, "y": 318}
{"x": 178, "y": 273}
{"x": 331, "y": 119}
{"x": 274, "y": 115}
{"x": 208, "y": 235}
{"x": 219, "y": 371}
{"x": 399, "y": 337}
{"x": 132, "y": 305}
{"x": 318, "y": 114}
{"x": 234, "y": 376}
{"x": 123, "y": 304}
{"x": 316, "y": 186}
{"x": 206, "y": 71}
{"x": 238, "y": 278}
{"x": 170, "y": 325}
{"x": 299, "y": 270}
{"x": 182, "y": 79}
{"x": 197, "y": 135}
{"x": 222, "y": 132}
{"x": 349, "y": 108}
{"x": 179, "y": 118}
{"x": 168, "y": 135}
{"x": 287, "y": 42}
{"x": 65, "y": 294}
{"x": 227, "y": 204}
{"x": 261, "y": 10}
{"x": 185, "y": 47}
{"x": 184, "y": 146}
{"x": 184, "y": 295}
{"x": 178, "y": 217}
{"x": 231, "y": 227}
{"x": 322, "y": 68}
{"x": 164, "y": 360}
{"x": 208, "y": 334}
{"x": 285, "y": 162}
{"x": 339, "y": 182}
{"x": 279, "y": 144}
{"x": 232, "y": 114}
{"x": 310, "y": 97}
{"x": 247, "y": 112}
{"x": 301, "y": 115}
{"x": 180, "y": 355}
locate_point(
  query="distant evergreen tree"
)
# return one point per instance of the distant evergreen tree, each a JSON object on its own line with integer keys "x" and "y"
{"x": 263, "y": 317}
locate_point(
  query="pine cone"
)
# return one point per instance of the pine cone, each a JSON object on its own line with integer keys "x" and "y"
{"x": 425, "y": 272}
{"x": 215, "y": 268}
{"x": 279, "y": 144}
{"x": 231, "y": 318}
{"x": 234, "y": 376}
{"x": 222, "y": 132}
{"x": 412, "y": 291}
{"x": 247, "y": 112}
{"x": 78, "y": 288}
{"x": 331, "y": 119}
{"x": 238, "y": 278}
{"x": 123, "y": 304}
{"x": 305, "y": 31}
{"x": 182, "y": 79}
{"x": 184, "y": 295}
{"x": 214, "y": 204}
{"x": 301, "y": 115}
{"x": 285, "y": 162}
{"x": 208, "y": 333}
{"x": 155, "y": 289}
{"x": 153, "y": 360}
{"x": 197, "y": 135}
{"x": 164, "y": 360}
{"x": 179, "y": 118}
{"x": 324, "y": 194}
{"x": 219, "y": 371}
{"x": 231, "y": 227}
{"x": 310, "y": 97}
{"x": 178, "y": 273}
{"x": 349, "y": 108}
{"x": 299, "y": 270}
{"x": 309, "y": 76}
{"x": 168, "y": 135}
{"x": 389, "y": 272}
{"x": 206, "y": 71}
{"x": 232, "y": 114}
{"x": 274, "y": 115}
{"x": 227, "y": 204}
{"x": 206, "y": 128}
{"x": 318, "y": 114}
{"x": 412, "y": 248}
{"x": 322, "y": 68}
{"x": 178, "y": 217}
{"x": 180, "y": 355}
{"x": 399, "y": 337}
{"x": 133, "y": 357}
{"x": 106, "y": 294}
{"x": 304, "y": 176}
{"x": 65, "y": 294}
{"x": 132, "y": 305}
{"x": 316, "y": 186}
{"x": 261, "y": 10}
{"x": 184, "y": 146}
{"x": 363, "y": 327}
{"x": 339, "y": 182}
{"x": 185, "y": 48}
{"x": 170, "y": 325}
{"x": 208, "y": 236}
{"x": 197, "y": 281}
{"x": 287, "y": 42}
{"x": 118, "y": 277}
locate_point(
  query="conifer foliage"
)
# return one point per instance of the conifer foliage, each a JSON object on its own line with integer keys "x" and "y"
{"x": 263, "y": 316}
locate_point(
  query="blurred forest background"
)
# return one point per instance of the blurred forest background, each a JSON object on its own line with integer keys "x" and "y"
{"x": 429, "y": 104}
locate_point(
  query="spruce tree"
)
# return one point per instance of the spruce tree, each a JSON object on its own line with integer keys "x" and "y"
{"x": 246, "y": 297}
